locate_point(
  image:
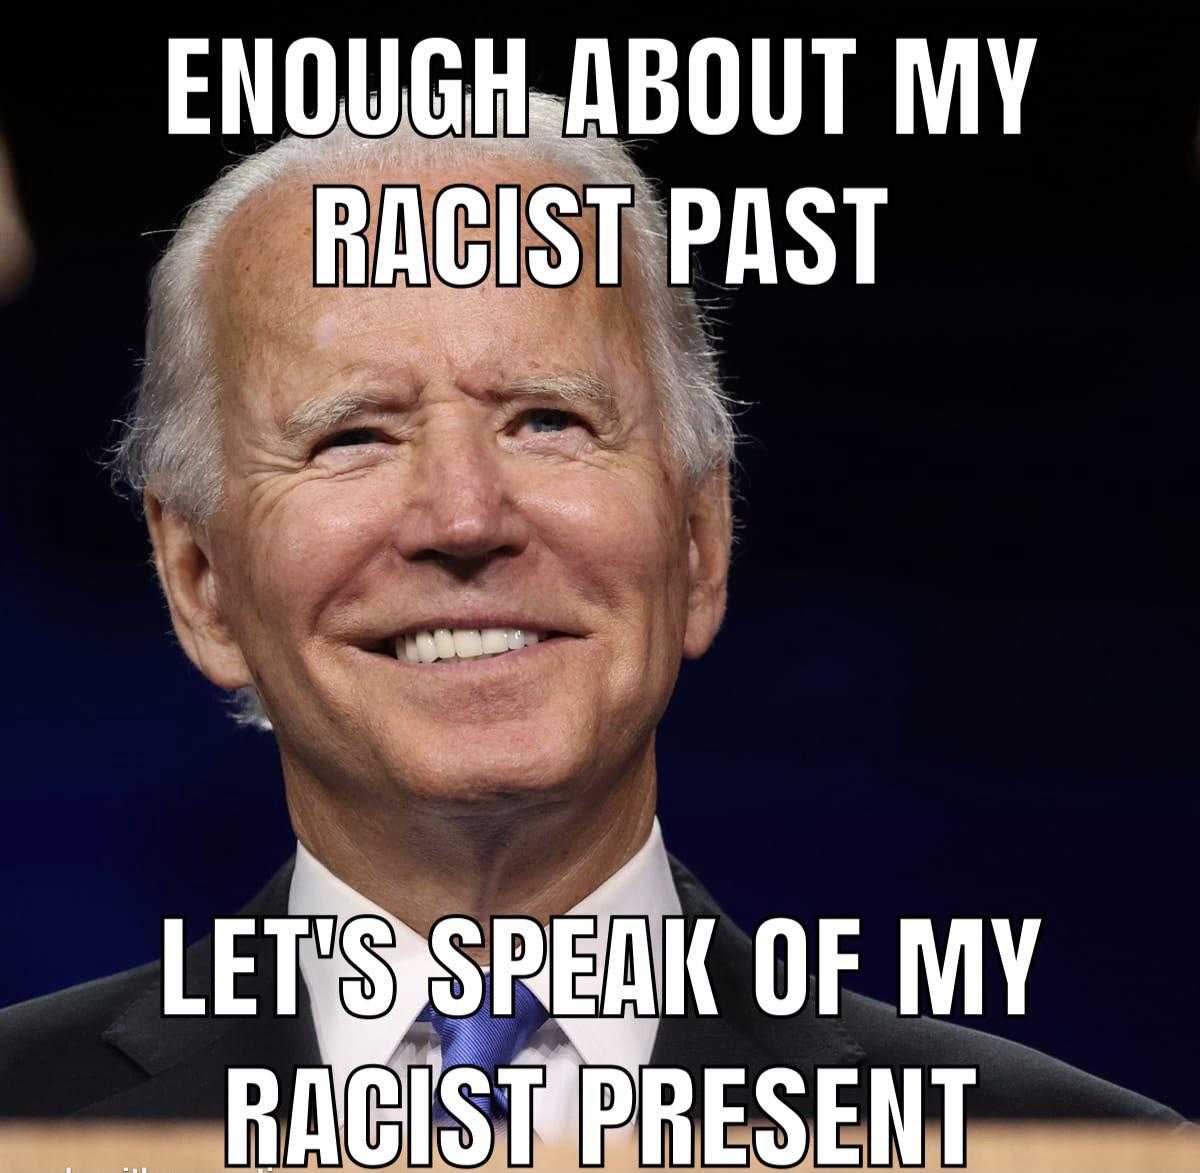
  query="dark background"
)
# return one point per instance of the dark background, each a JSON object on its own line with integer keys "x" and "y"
{"x": 958, "y": 673}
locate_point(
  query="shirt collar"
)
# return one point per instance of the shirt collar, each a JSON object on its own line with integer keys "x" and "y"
{"x": 347, "y": 1042}
{"x": 643, "y": 887}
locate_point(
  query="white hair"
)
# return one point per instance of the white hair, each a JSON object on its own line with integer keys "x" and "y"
{"x": 171, "y": 443}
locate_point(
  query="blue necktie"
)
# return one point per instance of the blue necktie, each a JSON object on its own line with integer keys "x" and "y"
{"x": 486, "y": 1041}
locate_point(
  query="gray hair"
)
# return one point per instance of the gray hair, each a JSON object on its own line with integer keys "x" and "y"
{"x": 171, "y": 444}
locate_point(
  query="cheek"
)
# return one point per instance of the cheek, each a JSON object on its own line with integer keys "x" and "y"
{"x": 305, "y": 550}
{"x": 624, "y": 540}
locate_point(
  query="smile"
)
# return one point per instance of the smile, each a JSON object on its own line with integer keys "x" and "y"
{"x": 463, "y": 643}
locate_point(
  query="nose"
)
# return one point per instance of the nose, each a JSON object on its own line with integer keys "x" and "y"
{"x": 460, "y": 508}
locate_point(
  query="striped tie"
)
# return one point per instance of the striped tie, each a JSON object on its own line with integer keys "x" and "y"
{"x": 488, "y": 1042}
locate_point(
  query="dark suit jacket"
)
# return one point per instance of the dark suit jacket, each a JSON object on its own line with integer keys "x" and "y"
{"x": 104, "y": 1050}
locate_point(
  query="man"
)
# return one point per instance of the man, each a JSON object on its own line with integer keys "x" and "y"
{"x": 451, "y": 545}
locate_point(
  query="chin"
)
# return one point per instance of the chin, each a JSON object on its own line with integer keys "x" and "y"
{"x": 472, "y": 765}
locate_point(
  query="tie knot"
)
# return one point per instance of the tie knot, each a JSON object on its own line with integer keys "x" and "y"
{"x": 486, "y": 1040}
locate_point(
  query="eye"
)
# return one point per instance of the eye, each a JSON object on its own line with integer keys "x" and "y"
{"x": 349, "y": 438}
{"x": 549, "y": 419}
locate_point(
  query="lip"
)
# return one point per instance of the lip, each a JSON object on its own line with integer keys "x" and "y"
{"x": 526, "y": 623}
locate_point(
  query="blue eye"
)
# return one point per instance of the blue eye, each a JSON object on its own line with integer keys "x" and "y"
{"x": 547, "y": 419}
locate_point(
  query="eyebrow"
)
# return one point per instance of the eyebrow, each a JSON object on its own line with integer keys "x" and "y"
{"x": 577, "y": 388}
{"x": 328, "y": 411}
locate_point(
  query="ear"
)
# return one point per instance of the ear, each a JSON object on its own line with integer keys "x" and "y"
{"x": 710, "y": 533}
{"x": 185, "y": 570}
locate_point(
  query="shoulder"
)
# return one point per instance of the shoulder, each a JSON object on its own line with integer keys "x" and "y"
{"x": 54, "y": 1058}
{"x": 1012, "y": 1081}
{"x": 107, "y": 1043}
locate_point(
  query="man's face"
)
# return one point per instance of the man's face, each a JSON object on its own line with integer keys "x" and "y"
{"x": 406, "y": 463}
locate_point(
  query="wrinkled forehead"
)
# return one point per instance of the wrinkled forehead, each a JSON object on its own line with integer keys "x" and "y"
{"x": 268, "y": 316}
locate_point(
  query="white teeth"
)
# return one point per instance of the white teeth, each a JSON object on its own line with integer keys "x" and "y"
{"x": 467, "y": 643}
{"x": 464, "y": 643}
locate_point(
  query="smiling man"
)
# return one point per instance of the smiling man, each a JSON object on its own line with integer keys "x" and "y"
{"x": 451, "y": 546}
{"x": 453, "y": 561}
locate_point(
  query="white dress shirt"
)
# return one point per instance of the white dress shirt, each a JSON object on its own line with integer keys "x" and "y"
{"x": 642, "y": 887}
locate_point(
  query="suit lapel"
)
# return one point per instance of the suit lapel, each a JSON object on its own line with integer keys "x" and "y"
{"x": 743, "y": 1036}
{"x": 186, "y": 1059}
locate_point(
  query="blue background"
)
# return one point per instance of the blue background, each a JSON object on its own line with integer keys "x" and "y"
{"x": 958, "y": 675}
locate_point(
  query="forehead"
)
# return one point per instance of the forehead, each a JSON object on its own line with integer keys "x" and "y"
{"x": 273, "y": 324}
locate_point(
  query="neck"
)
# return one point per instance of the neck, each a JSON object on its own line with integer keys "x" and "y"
{"x": 503, "y": 856}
